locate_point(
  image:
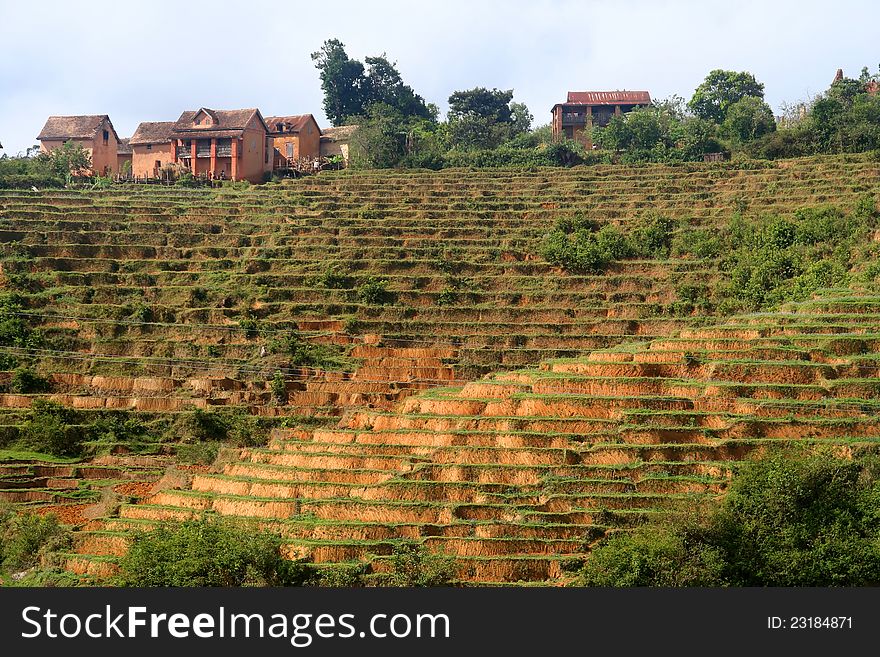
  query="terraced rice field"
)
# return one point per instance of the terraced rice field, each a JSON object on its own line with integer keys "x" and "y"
{"x": 511, "y": 427}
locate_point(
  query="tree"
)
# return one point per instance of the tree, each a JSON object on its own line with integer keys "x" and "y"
{"x": 720, "y": 90}
{"x": 350, "y": 88}
{"x": 482, "y": 119}
{"x": 748, "y": 119}
{"x": 790, "y": 519}
{"x": 521, "y": 119}
{"x": 69, "y": 160}
{"x": 383, "y": 84}
{"x": 493, "y": 106}
{"x": 342, "y": 80}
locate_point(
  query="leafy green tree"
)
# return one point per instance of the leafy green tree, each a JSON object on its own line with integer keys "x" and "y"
{"x": 350, "y": 88}
{"x": 748, "y": 119}
{"x": 480, "y": 118}
{"x": 720, "y": 90}
{"x": 69, "y": 160}
{"x": 383, "y": 84}
{"x": 208, "y": 553}
{"x": 342, "y": 81}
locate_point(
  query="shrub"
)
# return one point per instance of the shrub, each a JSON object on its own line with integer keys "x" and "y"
{"x": 250, "y": 327}
{"x": 26, "y": 381}
{"x": 207, "y": 553}
{"x": 278, "y": 385}
{"x": 413, "y": 565}
{"x": 790, "y": 519}
{"x": 27, "y": 538}
{"x": 374, "y": 292}
{"x": 51, "y": 428}
{"x": 335, "y": 278}
{"x": 447, "y": 297}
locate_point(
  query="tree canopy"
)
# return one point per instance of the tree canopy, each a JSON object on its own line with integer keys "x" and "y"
{"x": 720, "y": 90}
{"x": 350, "y": 87}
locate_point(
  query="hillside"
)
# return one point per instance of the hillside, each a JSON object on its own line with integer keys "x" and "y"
{"x": 484, "y": 401}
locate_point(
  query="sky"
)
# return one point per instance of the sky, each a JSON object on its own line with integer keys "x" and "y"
{"x": 151, "y": 60}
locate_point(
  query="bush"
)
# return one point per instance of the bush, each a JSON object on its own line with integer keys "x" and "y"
{"x": 413, "y": 565}
{"x": 790, "y": 519}
{"x": 375, "y": 292}
{"x": 27, "y": 538}
{"x": 51, "y": 428}
{"x": 26, "y": 381}
{"x": 28, "y": 180}
{"x": 208, "y": 553}
{"x": 278, "y": 385}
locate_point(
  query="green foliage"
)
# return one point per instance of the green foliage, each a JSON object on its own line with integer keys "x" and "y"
{"x": 335, "y": 277}
{"x": 250, "y": 327}
{"x": 720, "y": 90}
{"x": 764, "y": 260}
{"x": 483, "y": 119}
{"x": 52, "y": 428}
{"x": 412, "y": 565}
{"x": 374, "y": 292}
{"x": 25, "y": 381}
{"x": 351, "y": 89}
{"x": 748, "y": 119}
{"x": 15, "y": 330}
{"x": 207, "y": 553}
{"x": 789, "y": 519}
{"x": 653, "y": 236}
{"x": 26, "y": 539}
{"x": 278, "y": 386}
{"x": 307, "y": 354}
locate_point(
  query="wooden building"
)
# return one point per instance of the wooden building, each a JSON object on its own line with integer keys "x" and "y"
{"x": 229, "y": 144}
{"x": 583, "y": 110}
{"x": 294, "y": 138}
{"x": 151, "y": 148}
{"x": 95, "y": 133}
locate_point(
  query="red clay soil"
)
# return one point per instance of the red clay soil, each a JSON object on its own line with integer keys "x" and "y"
{"x": 68, "y": 514}
{"x": 195, "y": 468}
{"x": 134, "y": 489}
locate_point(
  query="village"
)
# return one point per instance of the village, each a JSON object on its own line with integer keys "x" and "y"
{"x": 212, "y": 144}
{"x": 243, "y": 144}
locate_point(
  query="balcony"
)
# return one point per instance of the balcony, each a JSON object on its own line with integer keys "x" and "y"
{"x": 183, "y": 153}
{"x": 224, "y": 151}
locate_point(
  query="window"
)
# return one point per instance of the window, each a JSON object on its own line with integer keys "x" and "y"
{"x": 149, "y": 147}
{"x": 310, "y": 129}
{"x": 289, "y": 147}
{"x": 106, "y": 136}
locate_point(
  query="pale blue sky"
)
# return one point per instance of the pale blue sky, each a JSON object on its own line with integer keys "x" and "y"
{"x": 150, "y": 60}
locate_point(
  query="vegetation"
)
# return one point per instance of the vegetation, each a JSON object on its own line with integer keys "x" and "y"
{"x": 207, "y": 553}
{"x": 790, "y": 519}
{"x": 28, "y": 539}
{"x": 764, "y": 260}
{"x": 63, "y": 165}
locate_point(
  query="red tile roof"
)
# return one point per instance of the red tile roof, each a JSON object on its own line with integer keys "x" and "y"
{"x": 609, "y": 97}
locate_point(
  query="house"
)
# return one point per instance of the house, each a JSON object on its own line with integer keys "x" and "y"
{"x": 151, "y": 148}
{"x": 233, "y": 144}
{"x": 336, "y": 141}
{"x": 123, "y": 155}
{"x": 293, "y": 138}
{"x": 95, "y": 133}
{"x": 583, "y": 110}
